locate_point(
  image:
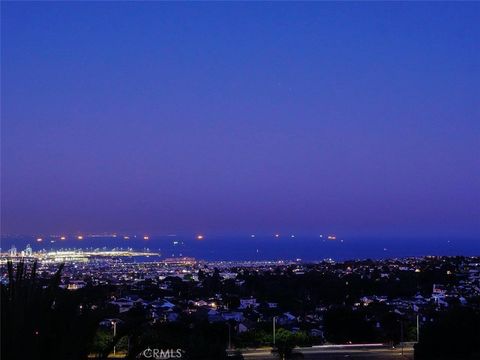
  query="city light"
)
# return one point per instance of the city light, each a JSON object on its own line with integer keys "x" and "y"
{"x": 199, "y": 237}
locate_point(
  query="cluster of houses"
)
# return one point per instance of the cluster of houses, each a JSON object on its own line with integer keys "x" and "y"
{"x": 250, "y": 310}
{"x": 165, "y": 310}
{"x": 463, "y": 284}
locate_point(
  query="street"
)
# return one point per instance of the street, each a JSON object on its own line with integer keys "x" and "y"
{"x": 338, "y": 352}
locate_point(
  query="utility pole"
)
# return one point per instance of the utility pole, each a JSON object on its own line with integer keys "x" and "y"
{"x": 114, "y": 323}
{"x": 418, "y": 328}
{"x": 229, "y": 337}
{"x": 274, "y": 319}
{"x": 401, "y": 334}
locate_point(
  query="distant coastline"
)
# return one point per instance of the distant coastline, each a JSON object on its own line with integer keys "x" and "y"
{"x": 259, "y": 248}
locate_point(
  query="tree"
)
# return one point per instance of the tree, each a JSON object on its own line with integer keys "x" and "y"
{"x": 41, "y": 320}
{"x": 285, "y": 342}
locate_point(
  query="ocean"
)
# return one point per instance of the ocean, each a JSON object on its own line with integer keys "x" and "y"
{"x": 258, "y": 248}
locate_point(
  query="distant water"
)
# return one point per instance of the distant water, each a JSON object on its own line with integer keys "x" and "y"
{"x": 307, "y": 248}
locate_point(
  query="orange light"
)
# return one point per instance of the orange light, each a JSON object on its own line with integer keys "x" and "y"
{"x": 39, "y": 239}
{"x": 199, "y": 237}
{"x": 62, "y": 238}
{"x": 80, "y": 237}
{"x": 146, "y": 237}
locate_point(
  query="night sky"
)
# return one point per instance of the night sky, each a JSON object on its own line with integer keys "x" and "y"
{"x": 358, "y": 119}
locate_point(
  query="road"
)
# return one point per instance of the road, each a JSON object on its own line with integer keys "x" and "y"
{"x": 338, "y": 352}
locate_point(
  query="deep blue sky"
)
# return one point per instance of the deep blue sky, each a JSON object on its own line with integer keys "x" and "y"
{"x": 241, "y": 117}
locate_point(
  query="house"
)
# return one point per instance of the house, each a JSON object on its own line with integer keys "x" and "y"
{"x": 76, "y": 284}
{"x": 108, "y": 323}
{"x": 73, "y": 285}
{"x": 214, "y": 316}
{"x": 200, "y": 303}
{"x": 162, "y": 304}
{"x": 286, "y": 318}
{"x": 126, "y": 303}
{"x": 248, "y": 303}
{"x": 234, "y": 315}
{"x": 438, "y": 290}
{"x": 134, "y": 298}
{"x": 316, "y": 333}
{"x": 242, "y": 328}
